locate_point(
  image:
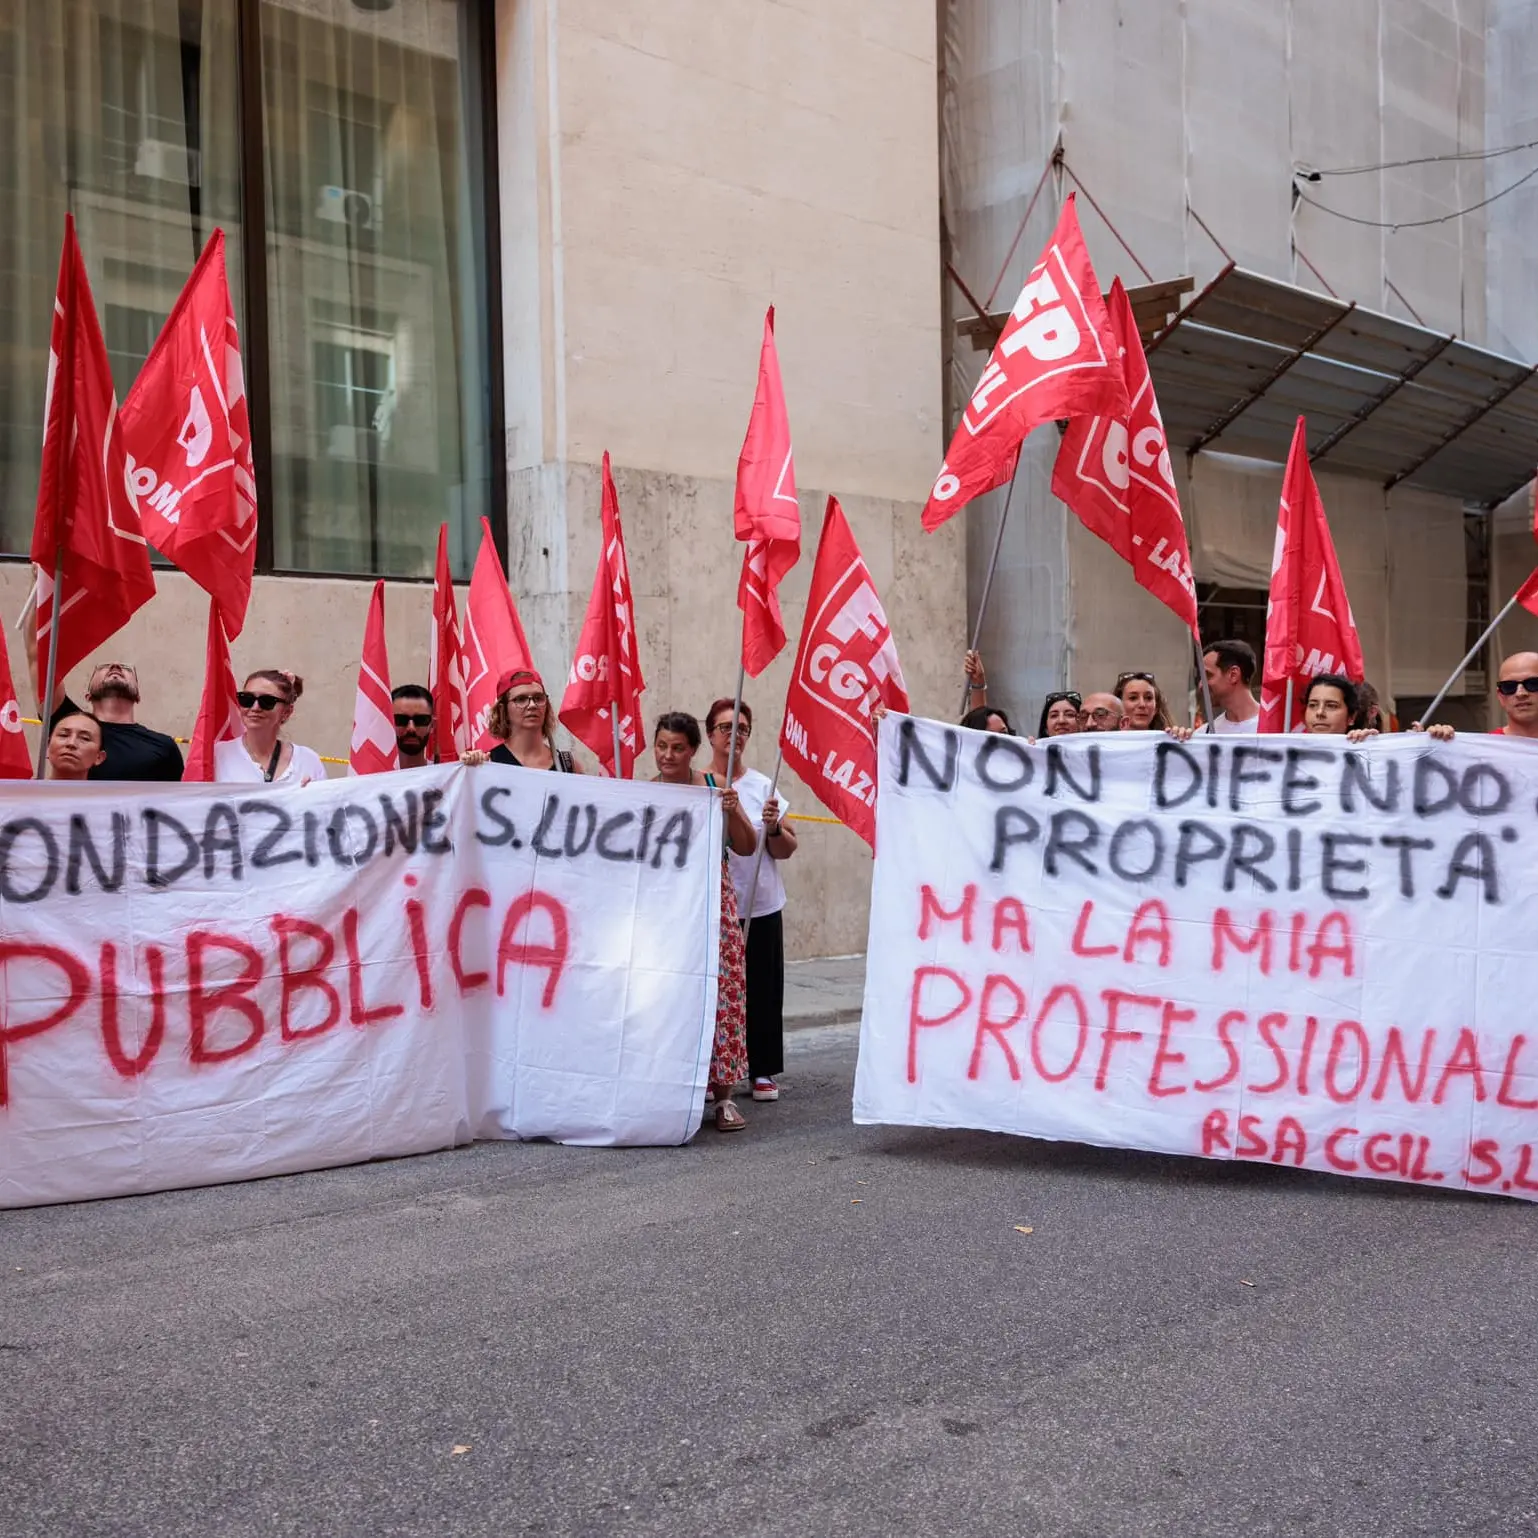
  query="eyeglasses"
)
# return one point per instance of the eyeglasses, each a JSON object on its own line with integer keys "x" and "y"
{"x": 422, "y": 721}
{"x": 1509, "y": 686}
{"x": 247, "y": 701}
{"x": 524, "y": 701}
{"x": 743, "y": 729}
{"x": 1066, "y": 694}
{"x": 1101, "y": 713}
{"x": 1126, "y": 678}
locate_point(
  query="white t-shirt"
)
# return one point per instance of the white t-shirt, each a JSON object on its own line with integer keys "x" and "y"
{"x": 1223, "y": 727}
{"x": 769, "y": 897}
{"x": 233, "y": 765}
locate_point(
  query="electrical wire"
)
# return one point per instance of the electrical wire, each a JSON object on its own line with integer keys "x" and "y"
{"x": 1427, "y": 160}
{"x": 1415, "y": 224}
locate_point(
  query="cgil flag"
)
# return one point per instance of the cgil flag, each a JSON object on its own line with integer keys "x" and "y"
{"x": 493, "y": 643}
{"x": 846, "y": 664}
{"x": 766, "y": 513}
{"x": 374, "y": 749}
{"x": 219, "y": 718}
{"x": 187, "y": 438}
{"x": 605, "y": 676}
{"x": 85, "y": 526}
{"x": 1309, "y": 628}
{"x": 445, "y": 678}
{"x": 1114, "y": 472}
{"x": 1056, "y": 357}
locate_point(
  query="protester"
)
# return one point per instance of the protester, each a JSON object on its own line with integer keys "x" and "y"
{"x": 413, "y": 709}
{"x": 1060, "y": 714}
{"x": 262, "y": 753}
{"x": 1101, "y": 713}
{"x": 1369, "y": 709}
{"x": 1143, "y": 703}
{"x": 985, "y": 718}
{"x": 675, "y": 741}
{"x": 762, "y": 905}
{"x": 977, "y": 680}
{"x": 133, "y": 752}
{"x": 74, "y": 745}
{"x": 523, "y": 722}
{"x": 1517, "y": 695}
{"x": 1231, "y": 667}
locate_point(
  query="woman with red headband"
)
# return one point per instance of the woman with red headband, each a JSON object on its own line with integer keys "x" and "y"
{"x": 523, "y": 722}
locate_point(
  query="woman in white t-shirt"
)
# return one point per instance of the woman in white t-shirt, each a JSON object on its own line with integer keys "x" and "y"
{"x": 760, "y": 905}
{"x": 261, "y": 754}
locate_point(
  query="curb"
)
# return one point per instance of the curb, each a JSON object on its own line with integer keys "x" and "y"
{"x": 838, "y": 1015}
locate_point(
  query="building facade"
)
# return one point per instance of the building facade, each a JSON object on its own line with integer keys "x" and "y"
{"x": 474, "y": 244}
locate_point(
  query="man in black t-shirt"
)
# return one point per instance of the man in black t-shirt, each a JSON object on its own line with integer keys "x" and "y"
{"x": 133, "y": 752}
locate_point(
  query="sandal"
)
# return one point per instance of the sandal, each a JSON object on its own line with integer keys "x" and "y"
{"x": 729, "y": 1118}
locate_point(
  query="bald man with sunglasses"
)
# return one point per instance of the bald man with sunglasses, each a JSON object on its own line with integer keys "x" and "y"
{"x": 1517, "y": 695}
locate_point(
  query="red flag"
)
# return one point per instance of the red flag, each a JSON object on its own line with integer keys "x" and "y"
{"x": 374, "y": 749}
{"x": 766, "y": 512}
{"x": 219, "y": 718}
{"x": 846, "y": 664}
{"x": 494, "y": 642}
{"x": 1056, "y": 357}
{"x": 606, "y": 672}
{"x": 15, "y": 756}
{"x": 445, "y": 679}
{"x": 85, "y": 517}
{"x": 1309, "y": 628}
{"x": 1114, "y": 472}
{"x": 1527, "y": 594}
{"x": 187, "y": 435}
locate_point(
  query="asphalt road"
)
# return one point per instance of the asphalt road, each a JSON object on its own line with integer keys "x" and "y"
{"x": 807, "y": 1328}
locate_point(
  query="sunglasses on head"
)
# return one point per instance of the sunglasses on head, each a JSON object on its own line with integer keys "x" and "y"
{"x": 247, "y": 700}
{"x": 1071, "y": 695}
{"x": 1126, "y": 678}
{"x": 403, "y": 721}
{"x": 1509, "y": 686}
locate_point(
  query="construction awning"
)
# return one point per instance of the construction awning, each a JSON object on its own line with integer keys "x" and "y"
{"x": 1384, "y": 398}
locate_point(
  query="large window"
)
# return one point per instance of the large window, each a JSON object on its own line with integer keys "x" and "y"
{"x": 342, "y": 146}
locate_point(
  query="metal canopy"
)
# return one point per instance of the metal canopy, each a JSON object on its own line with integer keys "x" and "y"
{"x": 1384, "y": 398}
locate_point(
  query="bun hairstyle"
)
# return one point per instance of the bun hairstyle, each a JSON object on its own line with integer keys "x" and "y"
{"x": 292, "y": 683}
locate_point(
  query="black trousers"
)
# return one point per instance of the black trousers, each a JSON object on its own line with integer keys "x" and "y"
{"x": 766, "y": 996}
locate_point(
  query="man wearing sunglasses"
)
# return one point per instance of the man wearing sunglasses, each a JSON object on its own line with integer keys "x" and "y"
{"x": 1517, "y": 695}
{"x": 413, "y": 707}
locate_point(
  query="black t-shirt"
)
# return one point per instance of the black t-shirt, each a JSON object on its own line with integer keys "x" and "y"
{"x": 133, "y": 752}
{"x": 502, "y": 754}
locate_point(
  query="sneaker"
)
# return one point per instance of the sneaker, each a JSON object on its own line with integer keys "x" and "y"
{"x": 765, "y": 1089}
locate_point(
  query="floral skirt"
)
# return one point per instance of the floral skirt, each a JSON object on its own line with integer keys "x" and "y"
{"x": 729, "y": 1059}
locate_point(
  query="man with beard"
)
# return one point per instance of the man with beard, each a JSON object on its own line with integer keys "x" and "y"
{"x": 413, "y": 724}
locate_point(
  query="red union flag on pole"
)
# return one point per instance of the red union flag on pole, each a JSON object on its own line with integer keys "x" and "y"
{"x": 85, "y": 528}
{"x": 15, "y": 757}
{"x": 374, "y": 749}
{"x": 187, "y": 434}
{"x": 1115, "y": 473}
{"x": 606, "y": 672}
{"x": 219, "y": 718}
{"x": 846, "y": 664}
{"x": 1055, "y": 358}
{"x": 767, "y": 514}
{"x": 445, "y": 680}
{"x": 1309, "y": 628}
{"x": 494, "y": 642}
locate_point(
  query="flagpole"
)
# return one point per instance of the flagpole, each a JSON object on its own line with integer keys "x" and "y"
{"x": 758, "y": 858}
{"x": 1201, "y": 673}
{"x": 1473, "y": 652}
{"x": 742, "y": 673}
{"x": 993, "y": 562}
{"x": 45, "y": 705}
{"x": 1287, "y": 709}
{"x": 614, "y": 710}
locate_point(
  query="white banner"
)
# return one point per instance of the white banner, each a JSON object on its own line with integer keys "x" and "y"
{"x": 207, "y": 983}
{"x": 1278, "y": 949}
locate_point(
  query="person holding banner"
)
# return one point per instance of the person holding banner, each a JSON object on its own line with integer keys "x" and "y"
{"x": 1060, "y": 714}
{"x": 261, "y": 754}
{"x": 1143, "y": 704}
{"x": 523, "y": 722}
{"x": 74, "y": 746}
{"x": 982, "y": 718}
{"x": 412, "y": 707}
{"x": 762, "y": 905}
{"x": 675, "y": 741}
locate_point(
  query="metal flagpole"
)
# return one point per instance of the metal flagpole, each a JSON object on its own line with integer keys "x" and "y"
{"x": 614, "y": 711}
{"x": 1287, "y": 709}
{"x": 45, "y": 705}
{"x": 731, "y": 752}
{"x": 1473, "y": 652}
{"x": 1201, "y": 672}
{"x": 758, "y": 858}
{"x": 993, "y": 563}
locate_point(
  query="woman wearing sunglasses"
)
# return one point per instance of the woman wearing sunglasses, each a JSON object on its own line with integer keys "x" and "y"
{"x": 1143, "y": 704}
{"x": 1060, "y": 714}
{"x": 262, "y": 754}
{"x": 523, "y": 722}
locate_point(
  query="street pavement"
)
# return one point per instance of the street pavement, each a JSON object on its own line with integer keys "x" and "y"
{"x": 804, "y": 1328}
